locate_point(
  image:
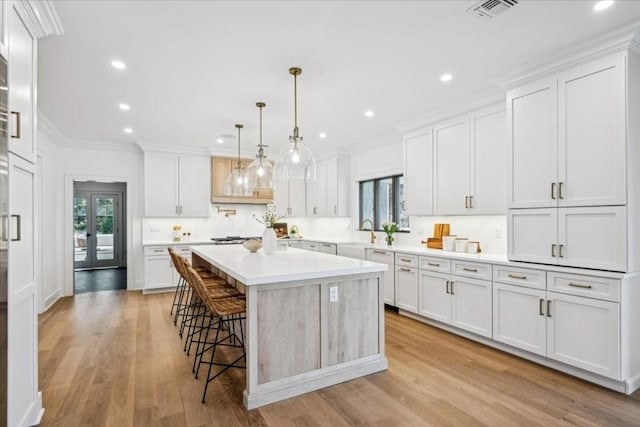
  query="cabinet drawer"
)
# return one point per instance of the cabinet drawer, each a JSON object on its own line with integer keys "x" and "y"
{"x": 328, "y": 248}
{"x": 536, "y": 279}
{"x": 435, "y": 264}
{"x": 589, "y": 286}
{"x": 311, "y": 246}
{"x": 471, "y": 269}
{"x": 183, "y": 251}
{"x": 407, "y": 260}
{"x": 155, "y": 251}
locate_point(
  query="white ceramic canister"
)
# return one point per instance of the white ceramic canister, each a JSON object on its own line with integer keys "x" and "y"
{"x": 449, "y": 243}
{"x": 472, "y": 246}
{"x": 461, "y": 244}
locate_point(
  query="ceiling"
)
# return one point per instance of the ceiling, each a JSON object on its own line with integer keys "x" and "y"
{"x": 196, "y": 68}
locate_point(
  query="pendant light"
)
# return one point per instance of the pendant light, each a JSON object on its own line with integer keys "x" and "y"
{"x": 260, "y": 171}
{"x": 296, "y": 163}
{"x": 237, "y": 184}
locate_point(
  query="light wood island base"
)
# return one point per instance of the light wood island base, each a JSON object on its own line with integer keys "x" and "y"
{"x": 299, "y": 339}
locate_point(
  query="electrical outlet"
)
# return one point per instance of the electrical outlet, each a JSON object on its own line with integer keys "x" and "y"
{"x": 499, "y": 233}
{"x": 333, "y": 294}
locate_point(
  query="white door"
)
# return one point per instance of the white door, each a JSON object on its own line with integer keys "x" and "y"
{"x": 407, "y": 288}
{"x": 21, "y": 88}
{"x": 489, "y": 183}
{"x": 533, "y": 145}
{"x": 386, "y": 257}
{"x": 158, "y": 272}
{"x": 161, "y": 185}
{"x": 331, "y": 188}
{"x": 593, "y": 237}
{"x": 418, "y": 178}
{"x": 585, "y": 333}
{"x": 22, "y": 341}
{"x": 471, "y": 305}
{"x": 519, "y": 317}
{"x": 592, "y": 133}
{"x": 435, "y": 300}
{"x": 297, "y": 198}
{"x": 451, "y": 166}
{"x": 195, "y": 186}
{"x": 532, "y": 235}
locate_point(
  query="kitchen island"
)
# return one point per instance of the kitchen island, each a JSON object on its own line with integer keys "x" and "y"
{"x": 313, "y": 319}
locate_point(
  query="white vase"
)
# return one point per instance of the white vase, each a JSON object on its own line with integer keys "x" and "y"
{"x": 269, "y": 241}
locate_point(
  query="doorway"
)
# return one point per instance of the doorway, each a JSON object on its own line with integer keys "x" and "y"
{"x": 99, "y": 236}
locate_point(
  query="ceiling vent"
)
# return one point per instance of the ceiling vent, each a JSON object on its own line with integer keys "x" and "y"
{"x": 491, "y": 8}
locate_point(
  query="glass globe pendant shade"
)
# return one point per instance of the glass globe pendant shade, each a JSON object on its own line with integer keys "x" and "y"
{"x": 237, "y": 183}
{"x": 260, "y": 175}
{"x": 296, "y": 163}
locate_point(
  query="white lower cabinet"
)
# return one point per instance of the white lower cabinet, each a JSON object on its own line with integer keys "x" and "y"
{"x": 435, "y": 300}
{"x": 159, "y": 271}
{"x": 328, "y": 248}
{"x": 386, "y": 257}
{"x": 579, "y": 331}
{"x": 407, "y": 288}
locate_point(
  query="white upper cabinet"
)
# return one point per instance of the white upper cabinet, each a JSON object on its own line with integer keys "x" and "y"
{"x": 290, "y": 197}
{"x": 451, "y": 166}
{"x": 592, "y": 134}
{"x": 177, "y": 185}
{"x": 418, "y": 178}
{"x": 328, "y": 195}
{"x": 4, "y": 28}
{"x": 22, "y": 49}
{"x": 470, "y": 163}
{"x": 568, "y": 138}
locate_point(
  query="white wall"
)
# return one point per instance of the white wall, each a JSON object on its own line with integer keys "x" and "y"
{"x": 388, "y": 160}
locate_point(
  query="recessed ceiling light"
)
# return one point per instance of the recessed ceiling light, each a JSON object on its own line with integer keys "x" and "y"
{"x": 118, "y": 65}
{"x": 369, "y": 113}
{"x": 220, "y": 140}
{"x": 446, "y": 77}
{"x": 128, "y": 130}
{"x": 322, "y": 135}
{"x": 124, "y": 107}
{"x": 602, "y": 5}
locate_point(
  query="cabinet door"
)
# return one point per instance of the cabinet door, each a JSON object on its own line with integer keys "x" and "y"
{"x": 4, "y": 28}
{"x": 585, "y": 333}
{"x": 489, "y": 183}
{"x": 21, "y": 88}
{"x": 328, "y": 248}
{"x": 386, "y": 257}
{"x": 593, "y": 237}
{"x": 158, "y": 272}
{"x": 407, "y": 288}
{"x": 471, "y": 305}
{"x": 435, "y": 300}
{"x": 451, "y": 166}
{"x": 533, "y": 144}
{"x": 281, "y": 196}
{"x": 22, "y": 340}
{"x": 331, "y": 189}
{"x": 592, "y": 133}
{"x": 519, "y": 317}
{"x": 532, "y": 235}
{"x": 161, "y": 185}
{"x": 194, "y": 186}
{"x": 311, "y": 246}
{"x": 297, "y": 198}
{"x": 418, "y": 178}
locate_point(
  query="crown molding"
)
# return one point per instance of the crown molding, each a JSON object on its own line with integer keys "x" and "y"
{"x": 45, "y": 125}
{"x": 626, "y": 37}
{"x": 482, "y": 100}
{"x": 86, "y": 144}
{"x": 40, "y": 17}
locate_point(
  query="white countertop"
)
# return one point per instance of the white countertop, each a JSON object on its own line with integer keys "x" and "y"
{"x": 286, "y": 265}
{"x": 172, "y": 243}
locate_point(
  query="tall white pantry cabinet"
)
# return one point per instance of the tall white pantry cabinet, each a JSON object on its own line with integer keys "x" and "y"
{"x": 23, "y": 23}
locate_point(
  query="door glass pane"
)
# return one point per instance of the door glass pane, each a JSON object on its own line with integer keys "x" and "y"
{"x": 366, "y": 202}
{"x": 402, "y": 218}
{"x": 384, "y": 205}
{"x": 80, "y": 228}
{"x": 104, "y": 208}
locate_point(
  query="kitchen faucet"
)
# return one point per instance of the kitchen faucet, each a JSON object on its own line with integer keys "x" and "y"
{"x": 373, "y": 236}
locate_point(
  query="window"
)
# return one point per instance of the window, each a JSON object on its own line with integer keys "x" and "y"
{"x": 381, "y": 201}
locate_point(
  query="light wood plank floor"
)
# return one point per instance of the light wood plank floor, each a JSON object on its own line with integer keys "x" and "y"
{"x": 114, "y": 359}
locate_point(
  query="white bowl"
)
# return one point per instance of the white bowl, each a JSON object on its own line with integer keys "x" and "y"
{"x": 252, "y": 245}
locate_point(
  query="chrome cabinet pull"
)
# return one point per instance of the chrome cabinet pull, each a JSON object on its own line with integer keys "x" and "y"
{"x": 18, "y": 227}
{"x": 560, "y": 248}
{"x": 471, "y": 202}
{"x": 380, "y": 252}
{"x": 447, "y": 285}
{"x": 315, "y": 210}
{"x": 578, "y": 285}
{"x": 553, "y": 190}
{"x": 548, "y": 308}
{"x": 513, "y": 276}
{"x": 553, "y": 250}
{"x": 540, "y": 307}
{"x": 157, "y": 251}
{"x": 466, "y": 202}
{"x": 433, "y": 264}
{"x": 335, "y": 210}
{"x": 472, "y": 270}
{"x": 405, "y": 269}
{"x": 451, "y": 288}
{"x": 405, "y": 260}
{"x": 560, "y": 196}
{"x": 18, "y": 125}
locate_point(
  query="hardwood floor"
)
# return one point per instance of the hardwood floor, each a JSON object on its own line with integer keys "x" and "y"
{"x": 114, "y": 358}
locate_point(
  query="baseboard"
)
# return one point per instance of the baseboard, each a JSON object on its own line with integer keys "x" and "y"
{"x": 632, "y": 384}
{"x": 51, "y": 299}
{"x": 34, "y": 415}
